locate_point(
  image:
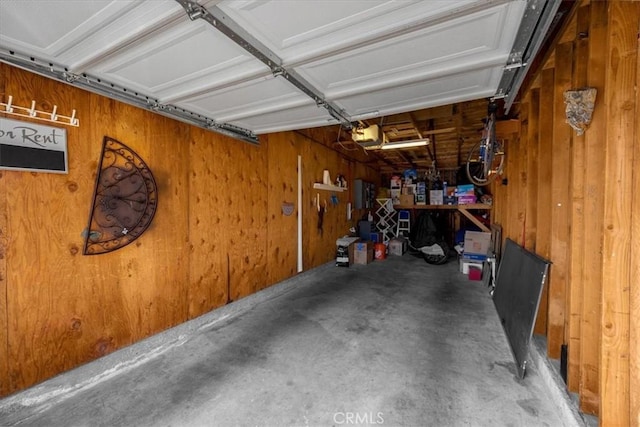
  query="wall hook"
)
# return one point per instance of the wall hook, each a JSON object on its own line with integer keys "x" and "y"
{"x": 8, "y": 108}
{"x": 32, "y": 113}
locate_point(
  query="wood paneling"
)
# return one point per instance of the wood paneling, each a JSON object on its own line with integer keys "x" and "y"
{"x": 217, "y": 236}
{"x": 587, "y": 207}
{"x": 322, "y": 242}
{"x": 282, "y": 239}
{"x": 621, "y": 113}
{"x": 246, "y": 217}
{"x": 208, "y": 257}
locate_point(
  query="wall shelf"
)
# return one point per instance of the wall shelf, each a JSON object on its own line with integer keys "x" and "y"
{"x": 319, "y": 186}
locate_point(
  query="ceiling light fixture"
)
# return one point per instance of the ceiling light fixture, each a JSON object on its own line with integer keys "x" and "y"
{"x": 405, "y": 144}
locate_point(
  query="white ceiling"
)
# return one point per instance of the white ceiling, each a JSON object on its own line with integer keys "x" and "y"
{"x": 368, "y": 58}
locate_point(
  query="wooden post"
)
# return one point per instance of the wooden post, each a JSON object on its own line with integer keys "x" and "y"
{"x": 545, "y": 173}
{"x": 634, "y": 339}
{"x": 531, "y": 211}
{"x": 621, "y": 147}
{"x": 560, "y": 203}
{"x": 594, "y": 157}
{"x": 4, "y": 327}
{"x": 515, "y": 209}
{"x": 576, "y": 243}
{"x": 4, "y": 241}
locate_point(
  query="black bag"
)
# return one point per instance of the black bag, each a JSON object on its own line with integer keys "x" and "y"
{"x": 424, "y": 234}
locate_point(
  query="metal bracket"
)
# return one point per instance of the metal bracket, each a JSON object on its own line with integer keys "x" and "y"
{"x": 70, "y": 77}
{"x": 537, "y": 19}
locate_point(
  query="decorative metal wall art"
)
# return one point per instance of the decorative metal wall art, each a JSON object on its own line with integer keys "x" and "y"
{"x": 125, "y": 199}
{"x": 580, "y": 105}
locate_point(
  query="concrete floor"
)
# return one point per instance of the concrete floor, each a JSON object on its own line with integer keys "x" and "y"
{"x": 397, "y": 342}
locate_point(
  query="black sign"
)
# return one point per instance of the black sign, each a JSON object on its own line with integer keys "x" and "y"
{"x": 28, "y": 146}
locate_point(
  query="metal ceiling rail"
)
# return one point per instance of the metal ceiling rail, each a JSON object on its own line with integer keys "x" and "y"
{"x": 535, "y": 24}
{"x": 111, "y": 90}
{"x": 223, "y": 23}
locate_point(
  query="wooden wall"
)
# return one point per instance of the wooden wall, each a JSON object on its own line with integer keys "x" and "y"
{"x": 575, "y": 200}
{"x": 219, "y": 233}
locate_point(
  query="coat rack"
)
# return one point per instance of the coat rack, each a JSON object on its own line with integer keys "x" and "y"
{"x": 32, "y": 113}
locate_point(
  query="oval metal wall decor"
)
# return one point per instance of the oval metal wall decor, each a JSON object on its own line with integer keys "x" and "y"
{"x": 125, "y": 199}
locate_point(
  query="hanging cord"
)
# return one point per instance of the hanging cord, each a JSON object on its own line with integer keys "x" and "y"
{"x": 338, "y": 140}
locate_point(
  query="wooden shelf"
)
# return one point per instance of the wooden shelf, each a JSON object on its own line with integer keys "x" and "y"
{"x": 463, "y": 209}
{"x": 453, "y": 207}
{"x": 319, "y": 186}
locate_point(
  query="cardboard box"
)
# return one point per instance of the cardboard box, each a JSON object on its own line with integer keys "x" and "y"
{"x": 467, "y": 200}
{"x": 344, "y": 251}
{"x": 475, "y": 257}
{"x": 397, "y": 246}
{"x": 476, "y": 242}
{"x": 395, "y": 196}
{"x": 406, "y": 199}
{"x": 450, "y": 200}
{"x": 363, "y": 253}
{"x": 464, "y": 190}
{"x": 408, "y": 189}
{"x": 436, "y": 197}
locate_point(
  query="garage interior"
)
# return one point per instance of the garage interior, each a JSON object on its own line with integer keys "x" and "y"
{"x": 239, "y": 107}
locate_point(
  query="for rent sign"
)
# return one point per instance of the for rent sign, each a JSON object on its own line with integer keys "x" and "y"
{"x": 27, "y": 146}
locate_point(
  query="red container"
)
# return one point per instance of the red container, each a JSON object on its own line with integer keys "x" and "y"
{"x": 475, "y": 273}
{"x": 380, "y": 250}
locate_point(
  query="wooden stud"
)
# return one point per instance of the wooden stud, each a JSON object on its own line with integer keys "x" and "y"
{"x": 545, "y": 175}
{"x": 634, "y": 304}
{"x": 531, "y": 208}
{"x": 4, "y": 243}
{"x": 516, "y": 161}
{"x": 4, "y": 346}
{"x": 576, "y": 243}
{"x": 560, "y": 204}
{"x": 619, "y": 97}
{"x": 594, "y": 157}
